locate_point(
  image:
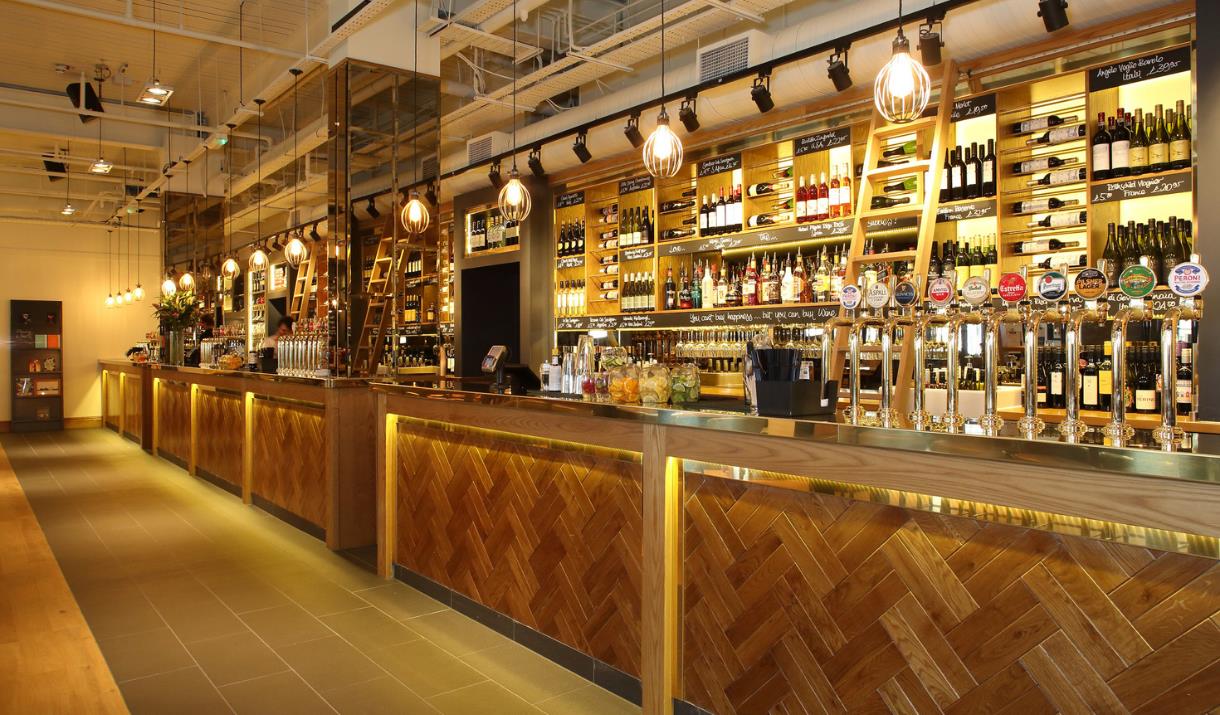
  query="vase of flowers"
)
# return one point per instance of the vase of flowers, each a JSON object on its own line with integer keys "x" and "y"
{"x": 176, "y": 313}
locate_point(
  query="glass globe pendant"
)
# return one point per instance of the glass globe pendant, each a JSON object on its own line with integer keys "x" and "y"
{"x": 295, "y": 251}
{"x": 128, "y": 296}
{"x": 258, "y": 258}
{"x": 110, "y": 300}
{"x": 138, "y": 293}
{"x": 415, "y": 218}
{"x": 186, "y": 281}
{"x": 663, "y": 150}
{"x": 515, "y": 201}
{"x": 169, "y": 287}
{"x": 902, "y": 88}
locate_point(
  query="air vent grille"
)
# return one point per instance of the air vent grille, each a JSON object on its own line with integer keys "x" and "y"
{"x": 479, "y": 149}
{"x": 724, "y": 59}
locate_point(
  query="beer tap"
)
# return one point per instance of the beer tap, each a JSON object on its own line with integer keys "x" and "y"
{"x": 1016, "y": 310}
{"x": 904, "y": 301}
{"x": 977, "y": 292}
{"x": 941, "y": 293}
{"x": 1072, "y": 427}
{"x": 1169, "y": 435}
{"x": 1118, "y": 430}
{"x": 877, "y": 297}
{"x": 849, "y": 299}
{"x": 1051, "y": 287}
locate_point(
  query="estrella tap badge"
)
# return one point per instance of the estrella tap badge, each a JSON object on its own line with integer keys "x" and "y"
{"x": 1052, "y": 286}
{"x": 1012, "y": 287}
{"x": 849, "y": 297}
{"x": 1137, "y": 281}
{"x": 1188, "y": 279}
{"x": 1090, "y": 284}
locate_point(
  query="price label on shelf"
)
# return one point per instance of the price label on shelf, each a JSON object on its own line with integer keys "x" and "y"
{"x": 822, "y": 141}
{"x": 1012, "y": 287}
{"x": 971, "y": 107}
{"x": 1188, "y": 279}
{"x": 718, "y": 165}
{"x": 572, "y": 198}
{"x": 962, "y": 212}
{"x": 941, "y": 292}
{"x": 1137, "y": 281}
{"x": 849, "y": 297}
{"x": 1138, "y": 69}
{"x": 1090, "y": 284}
{"x": 1178, "y": 183}
{"x": 634, "y": 184}
{"x": 1052, "y": 286}
{"x": 570, "y": 262}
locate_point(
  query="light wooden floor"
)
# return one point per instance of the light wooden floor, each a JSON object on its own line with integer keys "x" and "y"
{"x": 49, "y": 660}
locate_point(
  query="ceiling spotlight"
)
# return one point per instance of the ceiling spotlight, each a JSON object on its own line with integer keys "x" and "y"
{"x": 155, "y": 93}
{"x": 580, "y": 147}
{"x": 838, "y": 71}
{"x": 632, "y": 131}
{"x": 760, "y": 92}
{"x": 431, "y": 195}
{"x": 493, "y": 175}
{"x": 930, "y": 41}
{"x": 535, "y": 162}
{"x": 372, "y": 209}
{"x": 68, "y": 209}
{"x": 1054, "y": 14}
{"x": 313, "y": 233}
{"x": 688, "y": 115}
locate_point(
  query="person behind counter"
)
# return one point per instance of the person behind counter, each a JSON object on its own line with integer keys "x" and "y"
{"x": 267, "y": 353}
{"x": 206, "y": 324}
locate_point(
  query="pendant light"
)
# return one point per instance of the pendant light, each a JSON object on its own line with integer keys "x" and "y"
{"x": 295, "y": 250}
{"x": 663, "y": 150}
{"x": 100, "y": 166}
{"x": 903, "y": 88}
{"x": 168, "y": 286}
{"x": 109, "y": 286}
{"x": 258, "y": 258}
{"x": 515, "y": 201}
{"x": 68, "y": 208}
{"x": 230, "y": 268}
{"x": 128, "y": 296}
{"x": 414, "y": 217}
{"x": 186, "y": 281}
{"x": 138, "y": 293}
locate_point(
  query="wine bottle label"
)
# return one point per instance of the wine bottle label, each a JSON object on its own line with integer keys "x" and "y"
{"x": 1157, "y": 154}
{"x": 823, "y": 205}
{"x": 1179, "y": 150}
{"x": 1033, "y": 206}
{"x": 1070, "y": 218}
{"x": 988, "y": 171}
{"x": 1029, "y": 167}
{"x": 1145, "y": 400}
{"x": 1101, "y": 157}
{"x": 1120, "y": 154}
{"x": 1041, "y": 397}
{"x": 1105, "y": 381}
{"x": 971, "y": 175}
{"x": 1056, "y": 383}
{"x": 1183, "y": 392}
{"x": 1033, "y": 125}
{"x": 1065, "y": 176}
{"x": 1138, "y": 156}
{"x": 1090, "y": 391}
{"x": 944, "y": 179}
{"x": 1059, "y": 135}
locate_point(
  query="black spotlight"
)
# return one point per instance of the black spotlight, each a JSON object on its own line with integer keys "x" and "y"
{"x": 535, "y": 162}
{"x": 313, "y": 233}
{"x": 632, "y": 131}
{"x": 493, "y": 175}
{"x": 372, "y": 209}
{"x": 688, "y": 115}
{"x": 930, "y": 41}
{"x": 761, "y": 92}
{"x": 1054, "y": 14}
{"x": 837, "y": 70}
{"x": 430, "y": 194}
{"x": 580, "y": 146}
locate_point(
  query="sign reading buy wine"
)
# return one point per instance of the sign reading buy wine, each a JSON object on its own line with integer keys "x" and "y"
{"x": 1139, "y": 69}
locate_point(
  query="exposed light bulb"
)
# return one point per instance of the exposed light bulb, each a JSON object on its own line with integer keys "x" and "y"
{"x": 295, "y": 252}
{"x": 258, "y": 259}
{"x": 127, "y": 296}
{"x": 138, "y": 293}
{"x": 415, "y": 218}
{"x": 230, "y": 268}
{"x": 663, "y": 150}
{"x": 101, "y": 166}
{"x": 186, "y": 281}
{"x": 110, "y": 300}
{"x": 169, "y": 287}
{"x": 903, "y": 88}
{"x": 515, "y": 201}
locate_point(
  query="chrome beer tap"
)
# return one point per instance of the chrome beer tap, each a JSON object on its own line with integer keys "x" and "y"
{"x": 1016, "y": 310}
{"x": 1072, "y": 427}
{"x": 1118, "y": 430}
{"x": 1169, "y": 435}
{"x": 976, "y": 292}
{"x": 941, "y": 293}
{"x": 904, "y": 302}
{"x": 877, "y": 297}
{"x": 829, "y": 334}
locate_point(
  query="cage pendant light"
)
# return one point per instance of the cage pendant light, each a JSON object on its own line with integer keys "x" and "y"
{"x": 186, "y": 281}
{"x": 68, "y": 208}
{"x": 414, "y": 216}
{"x": 902, "y": 88}
{"x": 128, "y": 296}
{"x": 109, "y": 284}
{"x": 258, "y": 257}
{"x": 515, "y": 201}
{"x": 663, "y": 150}
{"x": 230, "y": 268}
{"x": 295, "y": 250}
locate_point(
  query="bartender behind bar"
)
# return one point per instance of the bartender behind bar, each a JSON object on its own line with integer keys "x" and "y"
{"x": 268, "y": 360}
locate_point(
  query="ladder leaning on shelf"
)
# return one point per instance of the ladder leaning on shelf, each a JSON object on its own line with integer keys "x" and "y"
{"x": 931, "y": 168}
{"x": 377, "y": 315}
{"x": 303, "y": 289}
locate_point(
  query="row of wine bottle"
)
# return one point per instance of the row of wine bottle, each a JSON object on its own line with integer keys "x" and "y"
{"x": 1139, "y": 143}
{"x": 969, "y": 172}
{"x": 1160, "y": 244}
{"x": 1096, "y": 388}
{"x": 571, "y": 241}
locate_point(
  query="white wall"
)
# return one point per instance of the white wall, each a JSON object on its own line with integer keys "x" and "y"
{"x": 69, "y": 264}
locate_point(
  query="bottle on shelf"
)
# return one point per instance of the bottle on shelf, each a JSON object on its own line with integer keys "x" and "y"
{"x": 1158, "y": 141}
{"x": 802, "y": 202}
{"x": 974, "y": 172}
{"x": 1037, "y": 124}
{"x": 900, "y": 151}
{"x": 1137, "y": 155}
{"x": 1060, "y": 177}
{"x": 1101, "y": 149}
{"x": 1045, "y": 245}
{"x": 988, "y": 180}
{"x": 1184, "y": 385}
{"x": 671, "y": 290}
{"x": 835, "y": 200}
{"x": 1120, "y": 146}
{"x": 1052, "y": 203}
{"x": 1040, "y": 164}
{"x": 685, "y": 299}
{"x": 957, "y": 177}
{"x": 769, "y": 219}
{"x": 846, "y": 198}
{"x": 907, "y": 185}
{"x": 764, "y": 188}
{"x": 946, "y": 178}
{"x": 1179, "y": 139}
{"x": 885, "y": 202}
{"x": 1059, "y": 135}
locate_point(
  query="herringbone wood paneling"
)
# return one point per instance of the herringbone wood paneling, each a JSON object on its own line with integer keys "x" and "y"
{"x": 290, "y": 458}
{"x": 174, "y": 420}
{"x": 806, "y": 603}
{"x": 134, "y": 402}
{"x": 549, "y": 536}
{"x": 221, "y": 430}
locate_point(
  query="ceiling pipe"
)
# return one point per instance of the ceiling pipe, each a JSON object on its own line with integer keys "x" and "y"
{"x": 75, "y": 175}
{"x": 60, "y": 157}
{"x": 490, "y": 25}
{"x": 23, "y": 104}
{"x": 129, "y": 20}
{"x": 73, "y": 224}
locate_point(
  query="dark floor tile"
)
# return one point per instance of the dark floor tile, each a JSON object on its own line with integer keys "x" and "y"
{"x": 181, "y": 692}
{"x": 280, "y": 693}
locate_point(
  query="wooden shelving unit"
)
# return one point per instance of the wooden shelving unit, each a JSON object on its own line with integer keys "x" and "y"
{"x": 36, "y": 365}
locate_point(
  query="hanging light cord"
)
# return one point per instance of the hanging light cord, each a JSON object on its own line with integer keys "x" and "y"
{"x": 296, "y": 157}
{"x": 415, "y": 99}
{"x": 514, "y": 61}
{"x": 662, "y": 56}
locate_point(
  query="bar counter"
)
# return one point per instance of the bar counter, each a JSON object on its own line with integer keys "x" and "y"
{"x": 296, "y": 447}
{"x": 744, "y": 564}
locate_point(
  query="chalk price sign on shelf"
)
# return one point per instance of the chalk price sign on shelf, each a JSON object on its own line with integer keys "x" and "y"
{"x": 828, "y": 229}
{"x": 1178, "y": 183}
{"x": 972, "y": 107}
{"x": 638, "y": 254}
{"x": 634, "y": 184}
{"x": 962, "y": 212}
{"x": 719, "y": 165}
{"x": 572, "y": 198}
{"x": 891, "y": 223}
{"x": 1139, "y": 69}
{"x": 822, "y": 141}
{"x": 570, "y": 262}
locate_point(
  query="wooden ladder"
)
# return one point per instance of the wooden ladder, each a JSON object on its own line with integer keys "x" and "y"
{"x": 377, "y": 315}
{"x": 932, "y": 169}
{"x": 298, "y": 307}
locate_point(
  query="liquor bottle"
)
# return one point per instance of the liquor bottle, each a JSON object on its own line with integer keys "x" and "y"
{"x": 946, "y": 179}
{"x": 802, "y": 202}
{"x": 988, "y": 180}
{"x": 722, "y": 287}
{"x": 769, "y": 219}
{"x": 900, "y": 150}
{"x": 1105, "y": 377}
{"x": 1090, "y": 393}
{"x": 800, "y": 286}
{"x": 709, "y": 284}
{"x": 974, "y": 172}
{"x": 1184, "y": 387}
{"x": 1145, "y": 383}
{"x": 885, "y": 202}
{"x": 846, "y": 198}
{"x": 1059, "y": 135}
{"x": 957, "y": 176}
{"x": 1138, "y": 153}
{"x": 1052, "y": 203}
{"x": 1179, "y": 139}
{"x": 749, "y": 287}
{"x": 901, "y": 187}
{"x": 685, "y": 300}
{"x": 763, "y": 188}
{"x": 1120, "y": 147}
{"x": 1046, "y": 245}
{"x": 671, "y": 290}
{"x": 1101, "y": 149}
{"x": 836, "y": 200}
{"x": 696, "y": 286}
{"x": 1038, "y": 124}
{"x": 1060, "y": 177}
{"x": 1158, "y": 143}
{"x": 1040, "y": 164}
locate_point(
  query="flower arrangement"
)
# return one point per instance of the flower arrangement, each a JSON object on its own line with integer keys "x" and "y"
{"x": 177, "y": 311}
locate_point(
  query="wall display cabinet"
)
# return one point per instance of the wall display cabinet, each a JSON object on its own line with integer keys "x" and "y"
{"x": 36, "y": 365}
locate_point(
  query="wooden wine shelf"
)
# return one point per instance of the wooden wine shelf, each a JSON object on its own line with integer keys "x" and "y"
{"x": 885, "y": 172}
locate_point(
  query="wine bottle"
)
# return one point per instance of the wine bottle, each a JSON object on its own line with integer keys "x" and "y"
{"x": 769, "y": 219}
{"x": 1061, "y": 220}
{"x": 1111, "y": 262}
{"x": 1045, "y": 245}
{"x": 1060, "y": 177}
{"x": 1101, "y": 149}
{"x": 1059, "y": 135}
{"x": 905, "y": 149}
{"x": 676, "y": 205}
{"x": 1042, "y": 163}
{"x": 1052, "y": 203}
{"x": 671, "y": 234}
{"x": 823, "y": 199}
{"x": 946, "y": 181}
{"x": 901, "y": 187}
{"x": 885, "y": 202}
{"x": 783, "y": 172}
{"x": 1179, "y": 140}
{"x": 974, "y": 172}
{"x": 1158, "y": 143}
{"x": 763, "y": 188}
{"x": 1038, "y": 124}
{"x": 957, "y": 175}
{"x": 989, "y": 165}
{"x": 802, "y": 202}
{"x": 1120, "y": 147}
{"x": 1138, "y": 153}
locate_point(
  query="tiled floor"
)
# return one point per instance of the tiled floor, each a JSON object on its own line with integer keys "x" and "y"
{"x": 204, "y": 605}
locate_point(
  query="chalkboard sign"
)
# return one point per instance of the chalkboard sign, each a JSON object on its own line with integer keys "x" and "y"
{"x": 960, "y": 212}
{"x": 570, "y": 262}
{"x": 972, "y": 107}
{"x": 638, "y": 254}
{"x": 1139, "y": 69}
{"x": 822, "y": 141}
{"x": 1138, "y": 187}
{"x": 891, "y": 223}
{"x": 572, "y": 198}
{"x": 636, "y": 183}
{"x": 719, "y": 165}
